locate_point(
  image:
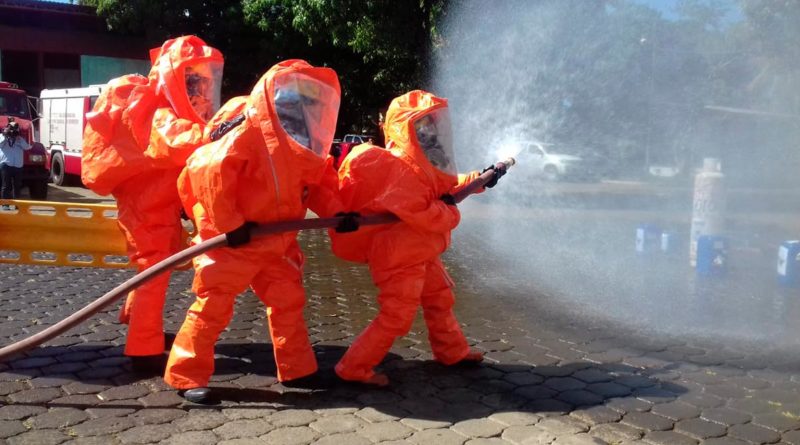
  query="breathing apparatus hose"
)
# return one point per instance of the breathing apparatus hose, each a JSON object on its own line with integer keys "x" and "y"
{"x": 218, "y": 241}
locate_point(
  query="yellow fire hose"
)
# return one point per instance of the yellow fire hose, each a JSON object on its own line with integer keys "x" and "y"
{"x": 217, "y": 241}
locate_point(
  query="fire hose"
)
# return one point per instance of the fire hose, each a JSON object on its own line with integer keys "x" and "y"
{"x": 217, "y": 241}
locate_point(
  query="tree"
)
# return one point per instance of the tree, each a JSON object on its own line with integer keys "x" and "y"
{"x": 379, "y": 48}
{"x": 569, "y": 71}
{"x": 383, "y": 46}
{"x": 218, "y": 22}
{"x": 772, "y": 31}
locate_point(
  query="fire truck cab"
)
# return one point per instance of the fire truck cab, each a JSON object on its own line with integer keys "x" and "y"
{"x": 63, "y": 118}
{"x": 14, "y": 104}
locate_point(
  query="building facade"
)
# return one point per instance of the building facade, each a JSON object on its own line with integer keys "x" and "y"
{"x": 45, "y": 45}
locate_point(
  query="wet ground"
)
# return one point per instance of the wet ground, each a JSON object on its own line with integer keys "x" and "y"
{"x": 583, "y": 263}
{"x": 560, "y": 368}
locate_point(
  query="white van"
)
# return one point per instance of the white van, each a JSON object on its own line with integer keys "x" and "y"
{"x": 62, "y": 119}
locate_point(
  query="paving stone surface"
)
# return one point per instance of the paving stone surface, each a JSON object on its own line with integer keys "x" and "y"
{"x": 293, "y": 435}
{"x": 548, "y": 381}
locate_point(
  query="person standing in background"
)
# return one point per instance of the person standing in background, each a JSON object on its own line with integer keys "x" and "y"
{"x": 12, "y": 148}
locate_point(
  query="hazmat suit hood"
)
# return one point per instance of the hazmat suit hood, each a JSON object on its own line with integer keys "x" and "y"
{"x": 296, "y": 106}
{"x": 188, "y": 74}
{"x": 418, "y": 130}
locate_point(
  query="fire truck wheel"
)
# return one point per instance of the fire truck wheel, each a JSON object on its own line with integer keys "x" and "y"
{"x": 57, "y": 173}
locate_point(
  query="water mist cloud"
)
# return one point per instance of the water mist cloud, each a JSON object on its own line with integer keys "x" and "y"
{"x": 620, "y": 83}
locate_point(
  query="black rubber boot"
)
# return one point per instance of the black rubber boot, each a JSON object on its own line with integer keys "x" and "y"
{"x": 197, "y": 395}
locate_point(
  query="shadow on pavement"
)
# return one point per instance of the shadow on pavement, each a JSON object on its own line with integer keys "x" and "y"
{"x": 97, "y": 378}
{"x": 76, "y": 195}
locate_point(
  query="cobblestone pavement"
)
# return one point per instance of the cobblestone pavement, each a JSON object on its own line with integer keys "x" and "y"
{"x": 543, "y": 382}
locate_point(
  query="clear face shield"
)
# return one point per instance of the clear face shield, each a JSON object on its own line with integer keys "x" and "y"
{"x": 203, "y": 86}
{"x": 307, "y": 110}
{"x": 435, "y": 137}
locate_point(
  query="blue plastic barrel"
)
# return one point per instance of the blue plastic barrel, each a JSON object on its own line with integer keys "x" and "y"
{"x": 648, "y": 238}
{"x": 788, "y": 264}
{"x": 712, "y": 255}
{"x": 669, "y": 242}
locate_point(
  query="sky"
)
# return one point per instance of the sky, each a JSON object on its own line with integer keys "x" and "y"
{"x": 667, "y": 8}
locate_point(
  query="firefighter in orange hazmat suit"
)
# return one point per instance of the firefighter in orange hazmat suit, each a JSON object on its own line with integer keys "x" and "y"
{"x": 412, "y": 178}
{"x": 137, "y": 139}
{"x": 270, "y": 167}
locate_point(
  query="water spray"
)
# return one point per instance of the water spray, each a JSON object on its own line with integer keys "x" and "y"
{"x": 217, "y": 241}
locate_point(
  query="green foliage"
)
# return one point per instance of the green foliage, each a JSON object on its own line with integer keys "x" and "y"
{"x": 631, "y": 76}
{"x": 380, "y": 48}
{"x": 384, "y": 45}
{"x": 774, "y": 25}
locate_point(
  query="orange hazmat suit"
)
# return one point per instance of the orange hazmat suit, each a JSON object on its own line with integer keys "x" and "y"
{"x": 270, "y": 167}
{"x": 136, "y": 141}
{"x": 407, "y": 179}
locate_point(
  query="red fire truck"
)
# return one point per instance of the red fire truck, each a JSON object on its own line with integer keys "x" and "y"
{"x": 63, "y": 118}
{"x": 14, "y": 104}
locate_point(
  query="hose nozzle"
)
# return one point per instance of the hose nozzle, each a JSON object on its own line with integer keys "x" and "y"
{"x": 509, "y": 162}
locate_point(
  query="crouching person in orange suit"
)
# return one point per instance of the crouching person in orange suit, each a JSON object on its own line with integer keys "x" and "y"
{"x": 136, "y": 142}
{"x": 269, "y": 166}
{"x": 412, "y": 178}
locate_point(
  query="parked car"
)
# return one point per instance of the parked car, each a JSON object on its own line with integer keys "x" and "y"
{"x": 664, "y": 171}
{"x": 555, "y": 162}
{"x": 341, "y": 147}
{"x": 357, "y": 138}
